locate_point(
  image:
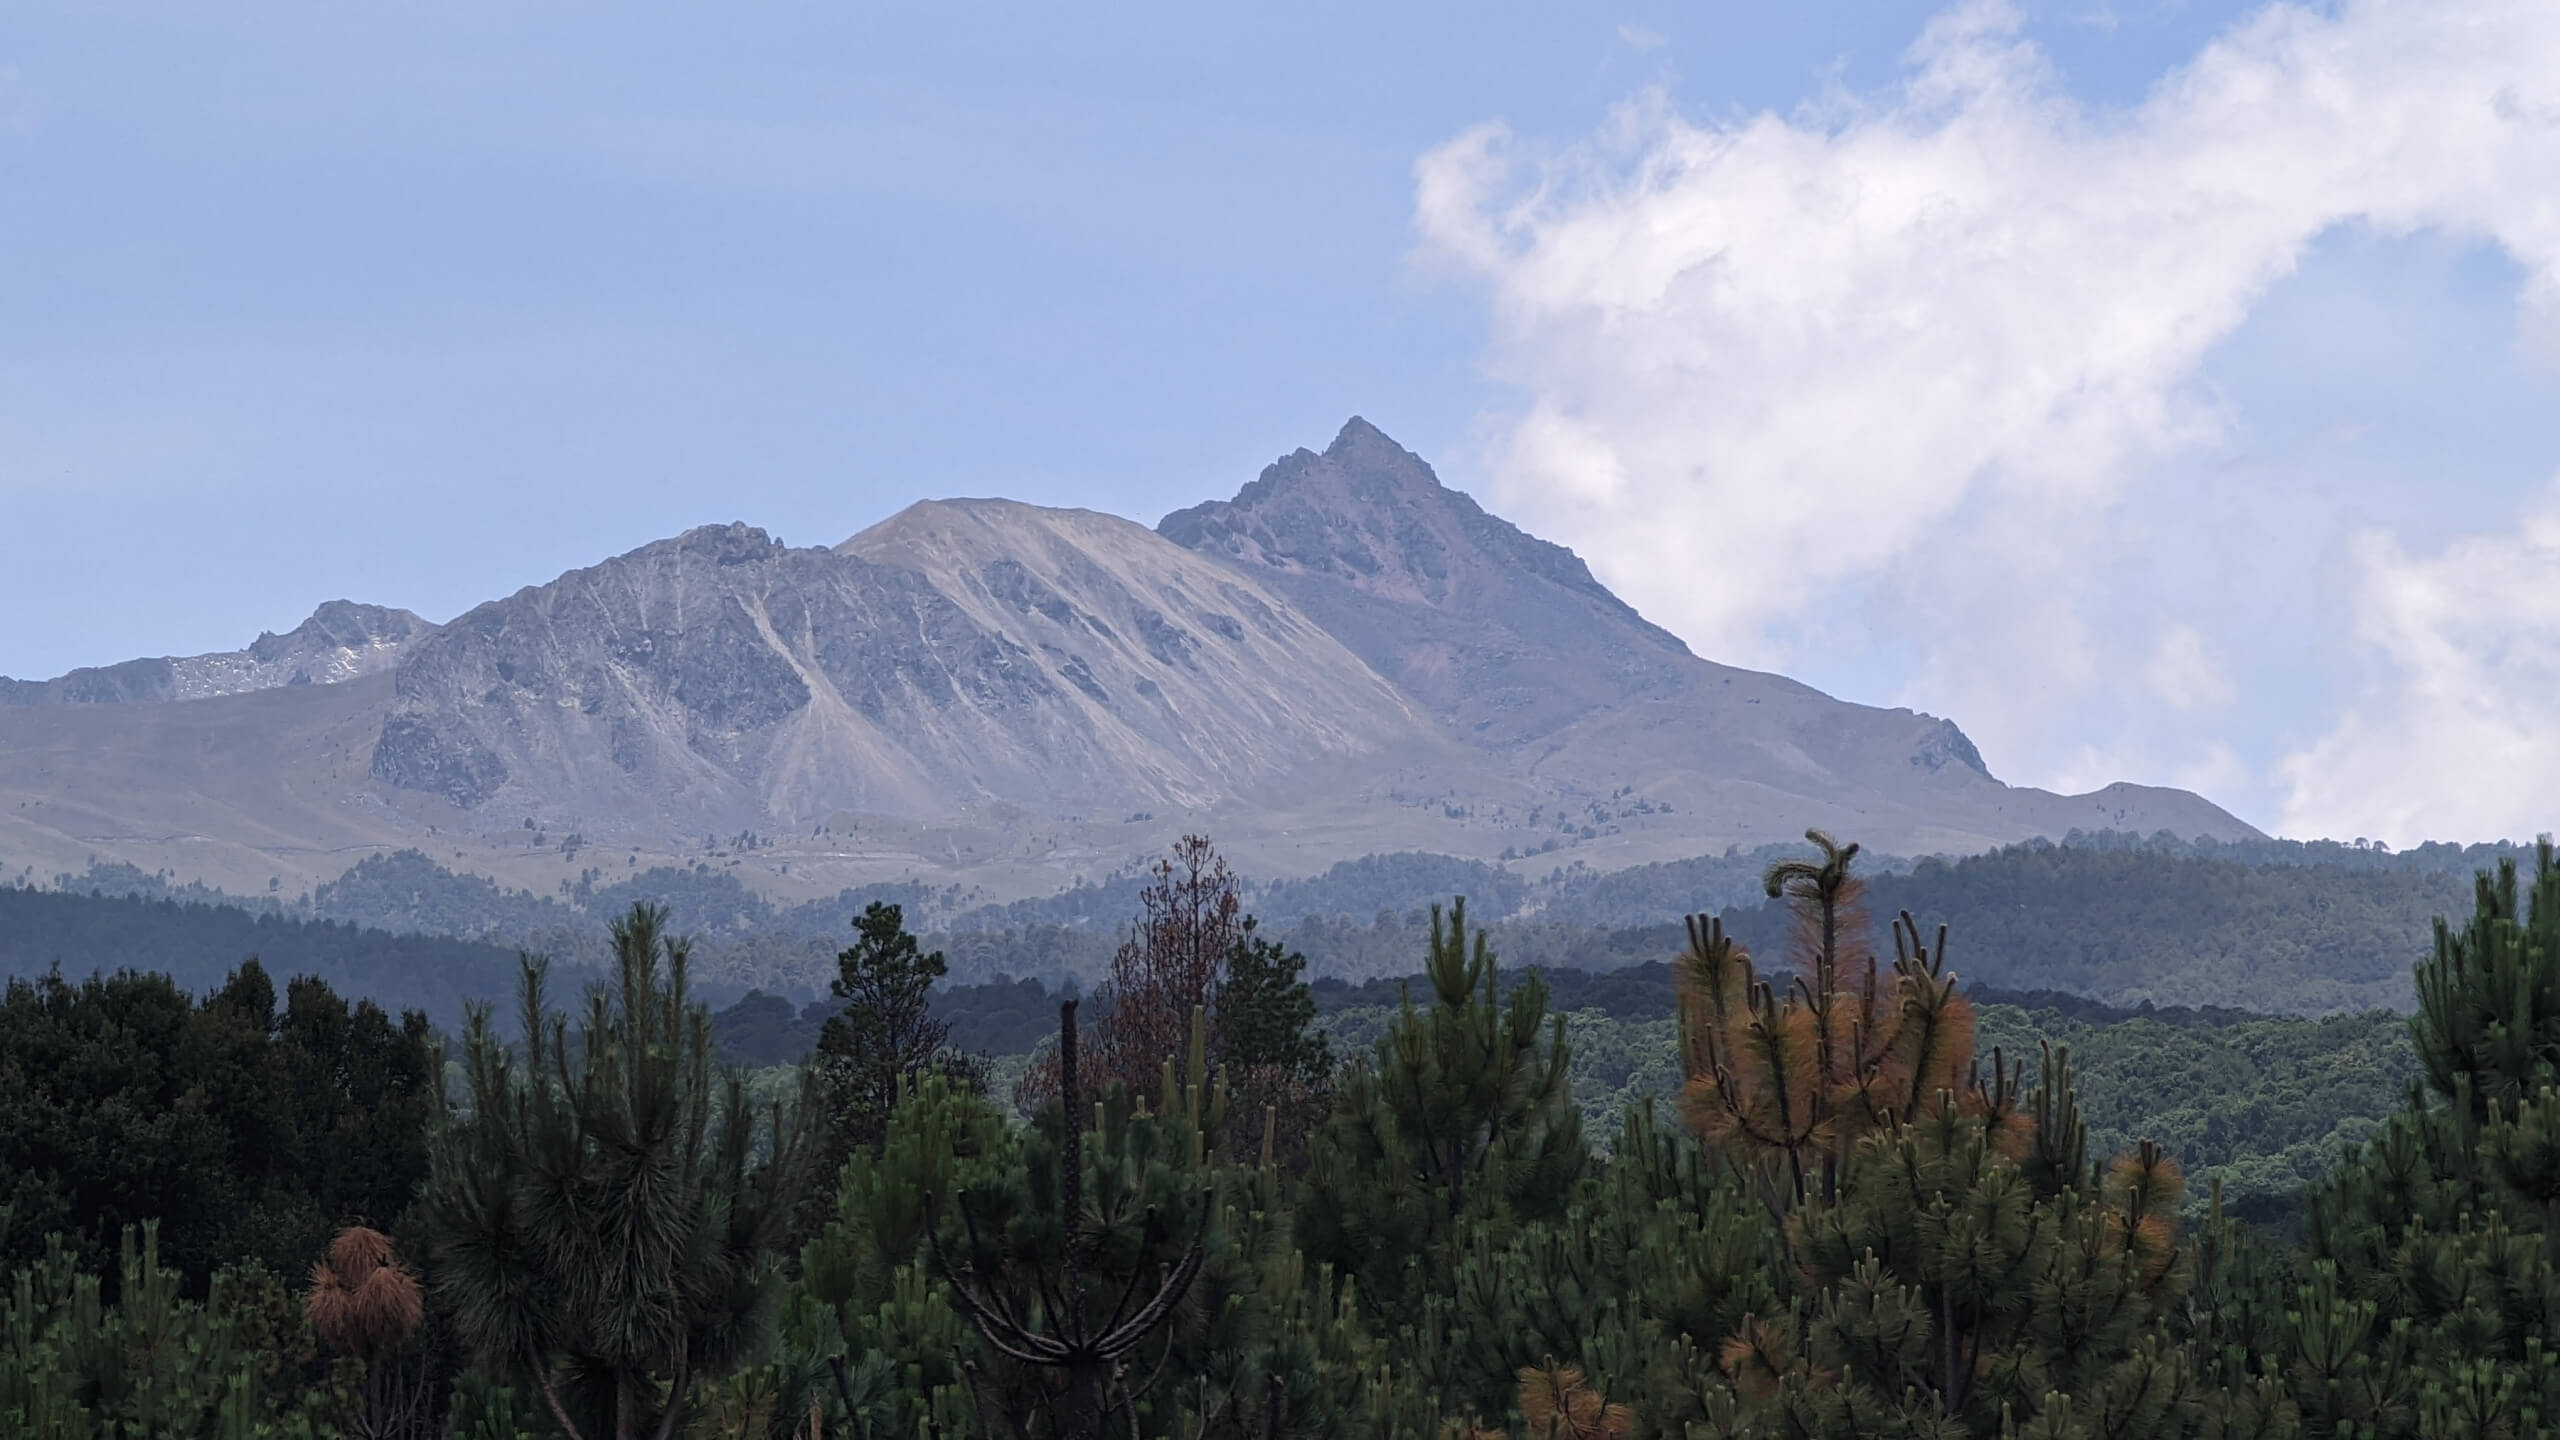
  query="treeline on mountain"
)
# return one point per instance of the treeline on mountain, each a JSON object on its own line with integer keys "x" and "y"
{"x": 1644, "y": 894}
{"x": 2132, "y": 925}
{"x": 2120, "y": 925}
{"x": 1865, "y": 1214}
{"x": 2286, "y": 926}
{"x": 2123, "y": 926}
{"x": 198, "y": 945}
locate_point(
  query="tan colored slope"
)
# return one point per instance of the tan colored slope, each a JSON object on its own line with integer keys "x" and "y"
{"x": 960, "y": 656}
{"x": 1207, "y": 686}
{"x": 235, "y": 790}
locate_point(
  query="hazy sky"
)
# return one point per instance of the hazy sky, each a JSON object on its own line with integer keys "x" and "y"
{"x": 2166, "y": 392}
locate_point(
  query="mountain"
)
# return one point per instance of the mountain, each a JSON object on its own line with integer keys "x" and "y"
{"x": 1346, "y": 658}
{"x": 960, "y": 655}
{"x": 1515, "y": 647}
{"x": 341, "y": 641}
{"x": 1503, "y": 635}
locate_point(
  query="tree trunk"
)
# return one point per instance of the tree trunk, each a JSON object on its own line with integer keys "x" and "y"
{"x": 1088, "y": 1402}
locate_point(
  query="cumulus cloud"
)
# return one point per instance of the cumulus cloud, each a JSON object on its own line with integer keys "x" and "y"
{"x": 1922, "y": 347}
{"x": 2186, "y": 674}
{"x": 2453, "y": 735}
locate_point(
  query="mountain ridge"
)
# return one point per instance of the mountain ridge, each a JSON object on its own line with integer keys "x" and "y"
{"x": 1345, "y": 657}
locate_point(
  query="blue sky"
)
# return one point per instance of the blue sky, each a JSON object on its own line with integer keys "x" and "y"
{"x": 418, "y": 304}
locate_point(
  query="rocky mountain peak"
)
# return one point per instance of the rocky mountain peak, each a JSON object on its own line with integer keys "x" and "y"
{"x": 342, "y": 625}
{"x": 1373, "y": 515}
{"x": 735, "y": 543}
{"x": 1346, "y": 657}
{"x": 343, "y": 640}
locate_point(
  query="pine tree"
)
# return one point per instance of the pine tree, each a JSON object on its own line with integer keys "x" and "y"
{"x": 887, "y": 1034}
{"x": 1173, "y": 963}
{"x": 604, "y": 1218}
{"x": 1462, "y": 1118}
{"x": 2427, "y": 1304}
{"x": 1066, "y": 1281}
{"x": 1787, "y": 1082}
{"x": 893, "y": 1345}
{"x": 365, "y": 1305}
{"x": 151, "y": 1363}
{"x": 884, "y": 1039}
{"x": 1265, "y": 1038}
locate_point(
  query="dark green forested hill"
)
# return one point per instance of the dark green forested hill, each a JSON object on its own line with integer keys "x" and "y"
{"x": 2262, "y": 1102}
{"x": 2277, "y": 926}
{"x": 199, "y": 945}
{"x": 2130, "y": 926}
{"x": 2122, "y": 926}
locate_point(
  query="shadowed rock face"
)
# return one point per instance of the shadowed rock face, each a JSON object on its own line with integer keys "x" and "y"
{"x": 961, "y": 652}
{"x": 1507, "y": 638}
{"x": 341, "y": 641}
{"x": 1504, "y": 635}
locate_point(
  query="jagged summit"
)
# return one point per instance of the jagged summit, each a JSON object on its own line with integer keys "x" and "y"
{"x": 1507, "y": 636}
{"x": 1373, "y": 514}
{"x": 343, "y": 640}
{"x": 342, "y": 625}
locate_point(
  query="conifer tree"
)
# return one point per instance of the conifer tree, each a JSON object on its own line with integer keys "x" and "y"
{"x": 150, "y": 1363}
{"x": 365, "y": 1305}
{"x": 2428, "y": 1301}
{"x": 604, "y": 1216}
{"x": 1787, "y": 1082}
{"x": 1279, "y": 1064}
{"x": 887, "y": 1034}
{"x": 894, "y": 1347}
{"x": 1173, "y": 963}
{"x": 1658, "y": 1257}
{"x": 1067, "y": 1280}
{"x": 1462, "y": 1118}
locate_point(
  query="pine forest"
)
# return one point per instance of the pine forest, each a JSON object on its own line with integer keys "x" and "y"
{"x": 1802, "y": 1182}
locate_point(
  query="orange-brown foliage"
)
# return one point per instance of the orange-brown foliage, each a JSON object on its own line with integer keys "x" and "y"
{"x": 362, "y": 1302}
{"x": 1560, "y": 1404}
{"x": 1189, "y": 922}
{"x": 1790, "y": 1080}
{"x": 1757, "y": 1358}
{"x": 2147, "y": 1185}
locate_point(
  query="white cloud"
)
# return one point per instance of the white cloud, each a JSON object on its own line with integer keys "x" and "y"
{"x": 1638, "y": 37}
{"x": 2186, "y": 674}
{"x": 1919, "y": 347}
{"x": 2454, "y": 735}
